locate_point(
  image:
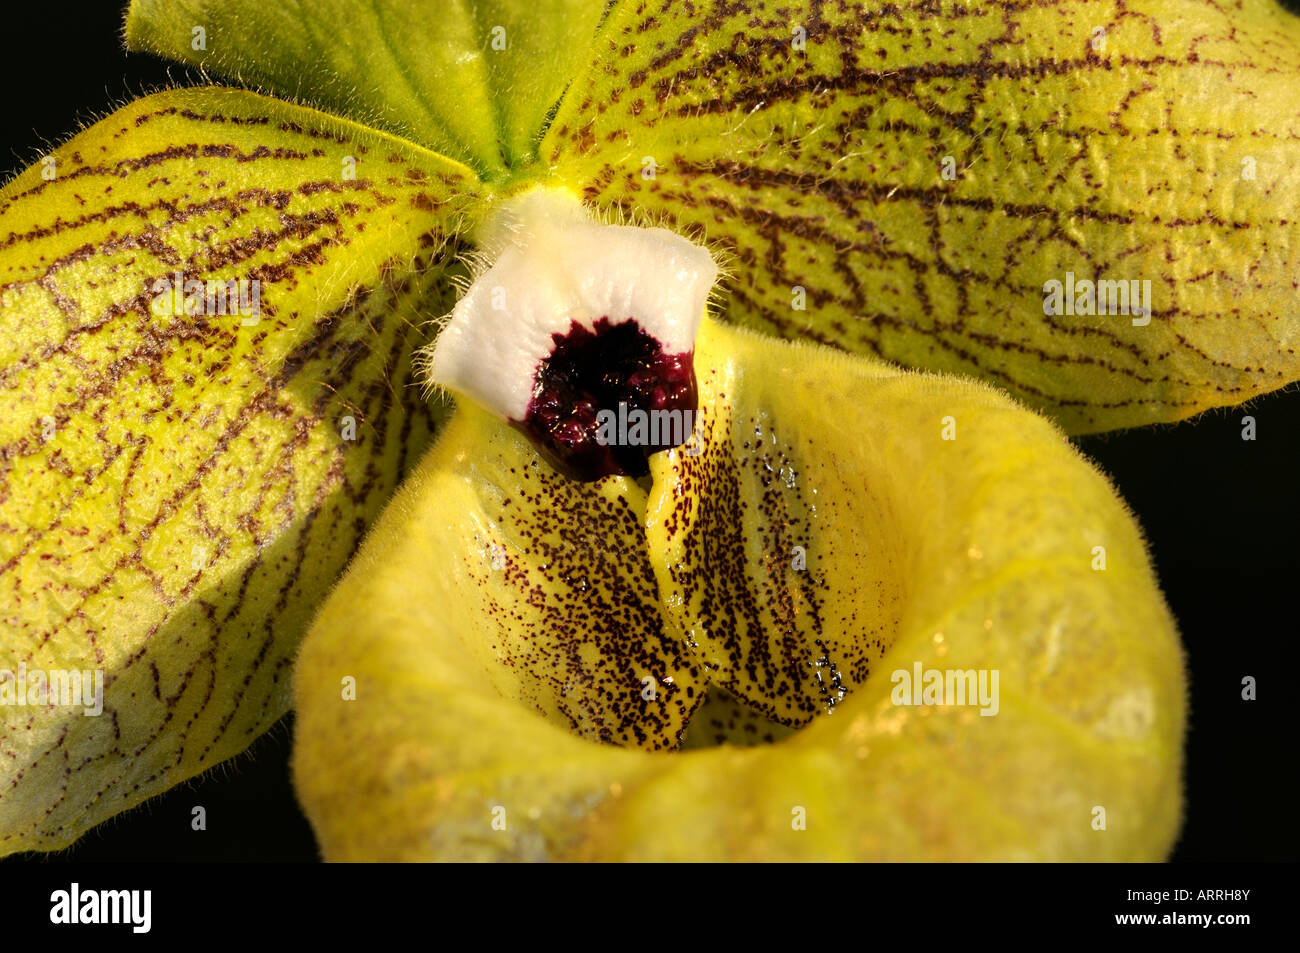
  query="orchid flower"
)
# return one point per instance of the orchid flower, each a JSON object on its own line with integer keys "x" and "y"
{"x": 305, "y": 382}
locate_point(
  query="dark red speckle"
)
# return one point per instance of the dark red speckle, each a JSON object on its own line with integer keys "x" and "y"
{"x": 594, "y": 370}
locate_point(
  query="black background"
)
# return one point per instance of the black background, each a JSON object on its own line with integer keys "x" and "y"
{"x": 1222, "y": 517}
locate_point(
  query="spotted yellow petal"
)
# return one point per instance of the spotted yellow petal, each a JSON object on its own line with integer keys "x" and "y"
{"x": 178, "y": 490}
{"x": 543, "y": 581}
{"x": 943, "y": 527}
{"x": 906, "y": 180}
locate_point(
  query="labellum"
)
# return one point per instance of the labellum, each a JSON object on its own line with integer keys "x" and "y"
{"x": 580, "y": 334}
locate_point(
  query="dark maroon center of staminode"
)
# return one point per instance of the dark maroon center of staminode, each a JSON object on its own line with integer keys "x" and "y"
{"x": 591, "y": 371}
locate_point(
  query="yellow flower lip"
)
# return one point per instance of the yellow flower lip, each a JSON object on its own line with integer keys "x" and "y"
{"x": 515, "y": 636}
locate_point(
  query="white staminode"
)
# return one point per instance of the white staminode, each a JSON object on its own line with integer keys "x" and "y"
{"x": 554, "y": 266}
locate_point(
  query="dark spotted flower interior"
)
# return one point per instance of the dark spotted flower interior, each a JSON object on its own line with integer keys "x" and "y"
{"x": 619, "y": 369}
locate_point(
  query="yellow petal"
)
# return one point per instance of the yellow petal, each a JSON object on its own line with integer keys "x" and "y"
{"x": 905, "y": 183}
{"x": 543, "y": 582}
{"x": 972, "y": 553}
{"x": 177, "y": 492}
